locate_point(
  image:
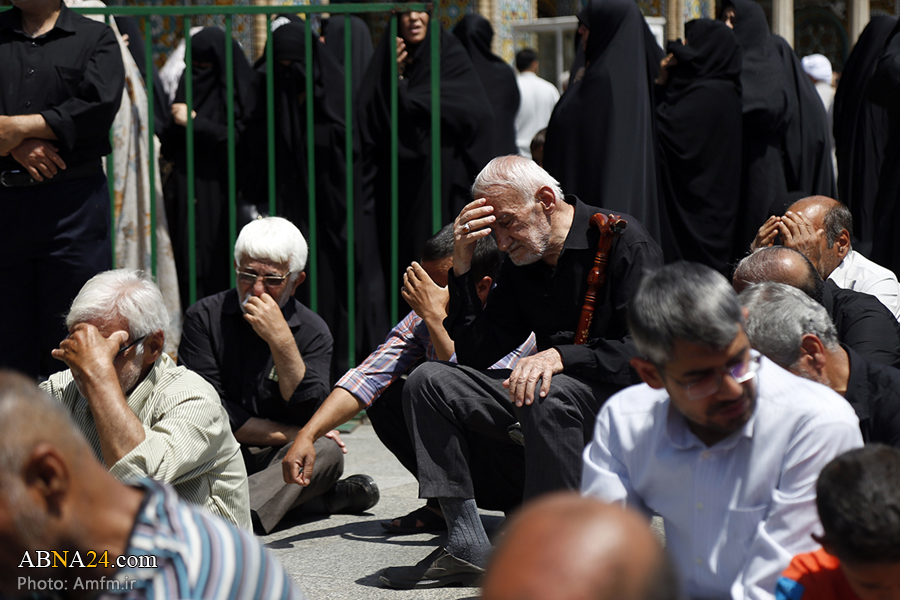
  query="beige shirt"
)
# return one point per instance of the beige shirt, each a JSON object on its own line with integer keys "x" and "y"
{"x": 188, "y": 443}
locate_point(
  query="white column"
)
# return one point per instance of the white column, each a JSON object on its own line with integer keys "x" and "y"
{"x": 858, "y": 18}
{"x": 783, "y": 19}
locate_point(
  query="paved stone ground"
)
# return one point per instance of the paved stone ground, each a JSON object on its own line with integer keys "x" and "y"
{"x": 339, "y": 557}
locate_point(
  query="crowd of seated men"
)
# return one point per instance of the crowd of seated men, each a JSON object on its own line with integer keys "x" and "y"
{"x": 557, "y": 364}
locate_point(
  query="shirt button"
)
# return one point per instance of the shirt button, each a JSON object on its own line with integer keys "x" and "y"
{"x": 34, "y": 44}
{"x": 31, "y": 71}
{"x": 699, "y": 561}
{"x": 27, "y": 104}
{"x": 705, "y": 455}
{"x": 699, "y": 506}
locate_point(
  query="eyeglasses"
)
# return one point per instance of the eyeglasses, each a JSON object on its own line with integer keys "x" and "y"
{"x": 270, "y": 281}
{"x": 710, "y": 384}
{"x": 134, "y": 343}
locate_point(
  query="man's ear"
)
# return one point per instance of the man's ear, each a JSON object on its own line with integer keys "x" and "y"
{"x": 547, "y": 198}
{"x": 812, "y": 354}
{"x": 153, "y": 346}
{"x": 47, "y": 480}
{"x": 301, "y": 277}
{"x": 483, "y": 288}
{"x": 648, "y": 372}
{"x": 843, "y": 243}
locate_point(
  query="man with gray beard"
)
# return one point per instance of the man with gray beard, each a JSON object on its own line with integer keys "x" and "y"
{"x": 142, "y": 415}
{"x": 548, "y": 402}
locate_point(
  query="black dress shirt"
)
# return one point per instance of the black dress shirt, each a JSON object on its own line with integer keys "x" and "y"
{"x": 548, "y": 300}
{"x": 219, "y": 344}
{"x": 72, "y": 75}
{"x": 874, "y": 393}
{"x": 864, "y": 324}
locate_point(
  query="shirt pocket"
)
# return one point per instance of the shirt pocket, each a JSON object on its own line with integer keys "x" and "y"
{"x": 743, "y": 524}
{"x": 69, "y": 79}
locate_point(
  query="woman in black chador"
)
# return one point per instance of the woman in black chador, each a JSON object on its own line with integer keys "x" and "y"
{"x": 884, "y": 90}
{"x": 466, "y": 133}
{"x": 600, "y": 140}
{"x": 699, "y": 123}
{"x": 860, "y": 132}
{"x": 213, "y": 251}
{"x": 497, "y": 77}
{"x": 292, "y": 185}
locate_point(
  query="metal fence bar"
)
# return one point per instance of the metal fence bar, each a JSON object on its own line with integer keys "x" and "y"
{"x": 111, "y": 183}
{"x": 232, "y": 176}
{"x": 189, "y": 133}
{"x": 395, "y": 206}
{"x": 313, "y": 261}
{"x": 270, "y": 115}
{"x": 151, "y": 146}
{"x": 351, "y": 225}
{"x": 436, "y": 204}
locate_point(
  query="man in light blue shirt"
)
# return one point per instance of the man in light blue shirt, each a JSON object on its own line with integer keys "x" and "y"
{"x": 723, "y": 444}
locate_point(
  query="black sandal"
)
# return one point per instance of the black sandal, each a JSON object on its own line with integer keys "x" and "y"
{"x": 431, "y": 522}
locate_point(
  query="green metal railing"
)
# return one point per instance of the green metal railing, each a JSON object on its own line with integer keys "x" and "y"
{"x": 335, "y": 9}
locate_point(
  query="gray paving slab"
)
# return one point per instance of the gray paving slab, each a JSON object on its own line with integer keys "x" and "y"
{"x": 339, "y": 557}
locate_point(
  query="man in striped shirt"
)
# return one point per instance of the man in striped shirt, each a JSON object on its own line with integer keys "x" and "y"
{"x": 69, "y": 527}
{"x": 143, "y": 415}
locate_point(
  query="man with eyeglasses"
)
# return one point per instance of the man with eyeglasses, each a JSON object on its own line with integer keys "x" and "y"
{"x": 723, "y": 444}
{"x": 269, "y": 357}
{"x": 143, "y": 415}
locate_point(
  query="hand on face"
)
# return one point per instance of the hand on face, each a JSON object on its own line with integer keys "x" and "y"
{"x": 423, "y": 295}
{"x": 89, "y": 354}
{"x": 266, "y": 318}
{"x": 799, "y": 233}
{"x": 765, "y": 237}
{"x": 472, "y": 224}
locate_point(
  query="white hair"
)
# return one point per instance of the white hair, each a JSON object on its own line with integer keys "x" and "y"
{"x": 780, "y": 315}
{"x": 521, "y": 175}
{"x": 273, "y": 239}
{"x": 125, "y": 293}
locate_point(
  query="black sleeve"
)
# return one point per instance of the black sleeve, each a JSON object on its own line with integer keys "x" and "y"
{"x": 91, "y": 111}
{"x": 482, "y": 336}
{"x": 196, "y": 352}
{"x": 315, "y": 349}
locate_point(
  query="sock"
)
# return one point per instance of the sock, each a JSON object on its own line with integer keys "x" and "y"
{"x": 466, "y": 538}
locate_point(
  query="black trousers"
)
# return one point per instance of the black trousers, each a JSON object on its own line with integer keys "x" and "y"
{"x": 450, "y": 406}
{"x": 53, "y": 238}
{"x": 496, "y": 486}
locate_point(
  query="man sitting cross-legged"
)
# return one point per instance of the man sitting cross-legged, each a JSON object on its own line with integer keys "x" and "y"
{"x": 269, "y": 358}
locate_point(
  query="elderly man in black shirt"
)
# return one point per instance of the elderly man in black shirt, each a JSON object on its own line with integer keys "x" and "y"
{"x": 62, "y": 82}
{"x": 795, "y": 332}
{"x": 555, "y": 394}
{"x": 269, "y": 358}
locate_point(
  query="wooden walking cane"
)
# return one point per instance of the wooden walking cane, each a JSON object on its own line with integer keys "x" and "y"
{"x": 610, "y": 227}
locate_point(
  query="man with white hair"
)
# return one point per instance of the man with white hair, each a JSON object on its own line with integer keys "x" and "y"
{"x": 795, "y": 332}
{"x": 269, "y": 357}
{"x": 555, "y": 394}
{"x": 143, "y": 415}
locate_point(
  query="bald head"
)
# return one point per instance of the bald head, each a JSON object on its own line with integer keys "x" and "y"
{"x": 781, "y": 265}
{"x": 568, "y": 547}
{"x": 835, "y": 222}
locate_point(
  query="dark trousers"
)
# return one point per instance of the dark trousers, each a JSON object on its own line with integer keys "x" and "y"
{"x": 496, "y": 487}
{"x": 270, "y": 497}
{"x": 448, "y": 406}
{"x": 53, "y": 238}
